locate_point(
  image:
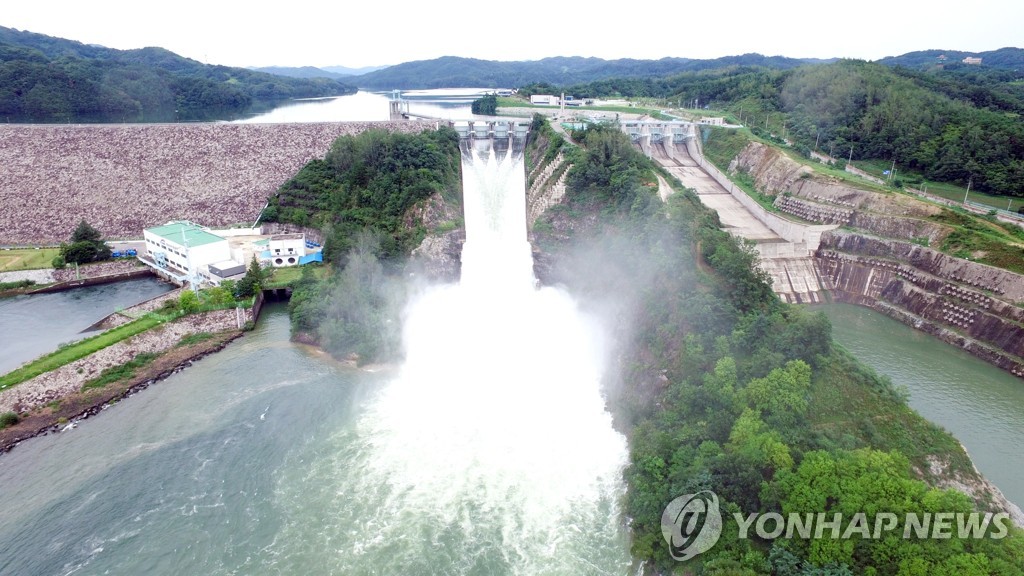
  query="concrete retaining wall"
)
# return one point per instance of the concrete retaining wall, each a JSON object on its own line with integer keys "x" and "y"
{"x": 68, "y": 285}
{"x": 230, "y": 232}
{"x": 795, "y": 232}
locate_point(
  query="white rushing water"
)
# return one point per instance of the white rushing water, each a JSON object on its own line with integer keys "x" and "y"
{"x": 492, "y": 451}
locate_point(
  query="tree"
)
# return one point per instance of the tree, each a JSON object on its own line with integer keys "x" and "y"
{"x": 86, "y": 245}
{"x": 251, "y": 282}
{"x": 188, "y": 302}
{"x": 781, "y": 396}
{"x": 487, "y": 106}
{"x": 85, "y": 232}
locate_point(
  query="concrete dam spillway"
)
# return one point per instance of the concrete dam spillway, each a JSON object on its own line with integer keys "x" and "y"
{"x": 785, "y": 248}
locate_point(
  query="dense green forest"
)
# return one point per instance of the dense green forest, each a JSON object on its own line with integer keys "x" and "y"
{"x": 726, "y": 388}
{"x": 959, "y": 125}
{"x": 46, "y": 79}
{"x": 359, "y": 195}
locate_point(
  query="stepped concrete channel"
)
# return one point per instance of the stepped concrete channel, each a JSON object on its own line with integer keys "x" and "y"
{"x": 786, "y": 248}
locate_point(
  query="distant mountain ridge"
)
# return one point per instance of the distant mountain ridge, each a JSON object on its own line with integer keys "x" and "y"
{"x": 344, "y": 70}
{"x": 454, "y": 71}
{"x": 48, "y": 79}
{"x": 336, "y": 72}
{"x": 299, "y": 72}
{"x": 1010, "y": 58}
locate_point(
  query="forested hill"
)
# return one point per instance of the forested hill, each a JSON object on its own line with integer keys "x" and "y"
{"x": 47, "y": 79}
{"x": 453, "y": 72}
{"x": 1009, "y": 58}
{"x": 959, "y": 125}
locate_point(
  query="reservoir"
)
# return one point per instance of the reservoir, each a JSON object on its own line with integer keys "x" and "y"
{"x": 979, "y": 404}
{"x": 448, "y": 104}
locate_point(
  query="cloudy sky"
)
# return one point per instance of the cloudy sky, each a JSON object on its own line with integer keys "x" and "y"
{"x": 369, "y": 33}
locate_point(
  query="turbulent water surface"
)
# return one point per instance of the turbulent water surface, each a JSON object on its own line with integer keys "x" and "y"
{"x": 488, "y": 451}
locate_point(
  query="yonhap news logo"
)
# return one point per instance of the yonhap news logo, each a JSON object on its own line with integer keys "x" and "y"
{"x": 691, "y": 524}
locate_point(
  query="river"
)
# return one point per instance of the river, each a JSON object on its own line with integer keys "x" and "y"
{"x": 979, "y": 404}
{"x": 44, "y": 321}
{"x": 269, "y": 458}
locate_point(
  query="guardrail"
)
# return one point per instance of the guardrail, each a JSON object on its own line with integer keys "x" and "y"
{"x": 998, "y": 211}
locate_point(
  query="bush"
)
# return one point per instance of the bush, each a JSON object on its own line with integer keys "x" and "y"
{"x": 189, "y": 302}
{"x": 8, "y": 419}
{"x": 16, "y": 284}
{"x": 58, "y": 262}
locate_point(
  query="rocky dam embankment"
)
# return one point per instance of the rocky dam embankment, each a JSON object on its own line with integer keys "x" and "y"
{"x": 123, "y": 178}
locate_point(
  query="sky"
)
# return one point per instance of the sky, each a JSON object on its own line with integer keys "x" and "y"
{"x": 377, "y": 33}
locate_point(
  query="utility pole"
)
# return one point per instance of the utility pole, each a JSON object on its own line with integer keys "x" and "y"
{"x": 893, "y": 169}
{"x": 851, "y": 156}
{"x": 968, "y": 189}
{"x": 816, "y": 137}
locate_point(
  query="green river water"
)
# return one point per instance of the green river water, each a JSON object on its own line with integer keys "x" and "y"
{"x": 979, "y": 404}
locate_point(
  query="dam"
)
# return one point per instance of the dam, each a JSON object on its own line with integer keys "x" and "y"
{"x": 122, "y": 178}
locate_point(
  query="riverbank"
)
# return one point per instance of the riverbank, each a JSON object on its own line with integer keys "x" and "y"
{"x": 58, "y": 415}
{"x": 26, "y": 395}
{"x": 46, "y": 280}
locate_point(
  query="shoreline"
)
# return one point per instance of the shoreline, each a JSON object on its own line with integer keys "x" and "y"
{"x": 81, "y": 405}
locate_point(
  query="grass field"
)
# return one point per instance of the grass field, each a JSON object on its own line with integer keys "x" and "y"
{"x": 287, "y": 276}
{"x": 26, "y": 258}
{"x": 942, "y": 189}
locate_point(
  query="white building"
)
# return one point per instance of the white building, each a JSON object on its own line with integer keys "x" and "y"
{"x": 284, "y": 249}
{"x": 183, "y": 249}
{"x": 544, "y": 99}
{"x": 713, "y": 121}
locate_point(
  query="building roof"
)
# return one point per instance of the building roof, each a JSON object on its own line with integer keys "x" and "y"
{"x": 185, "y": 233}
